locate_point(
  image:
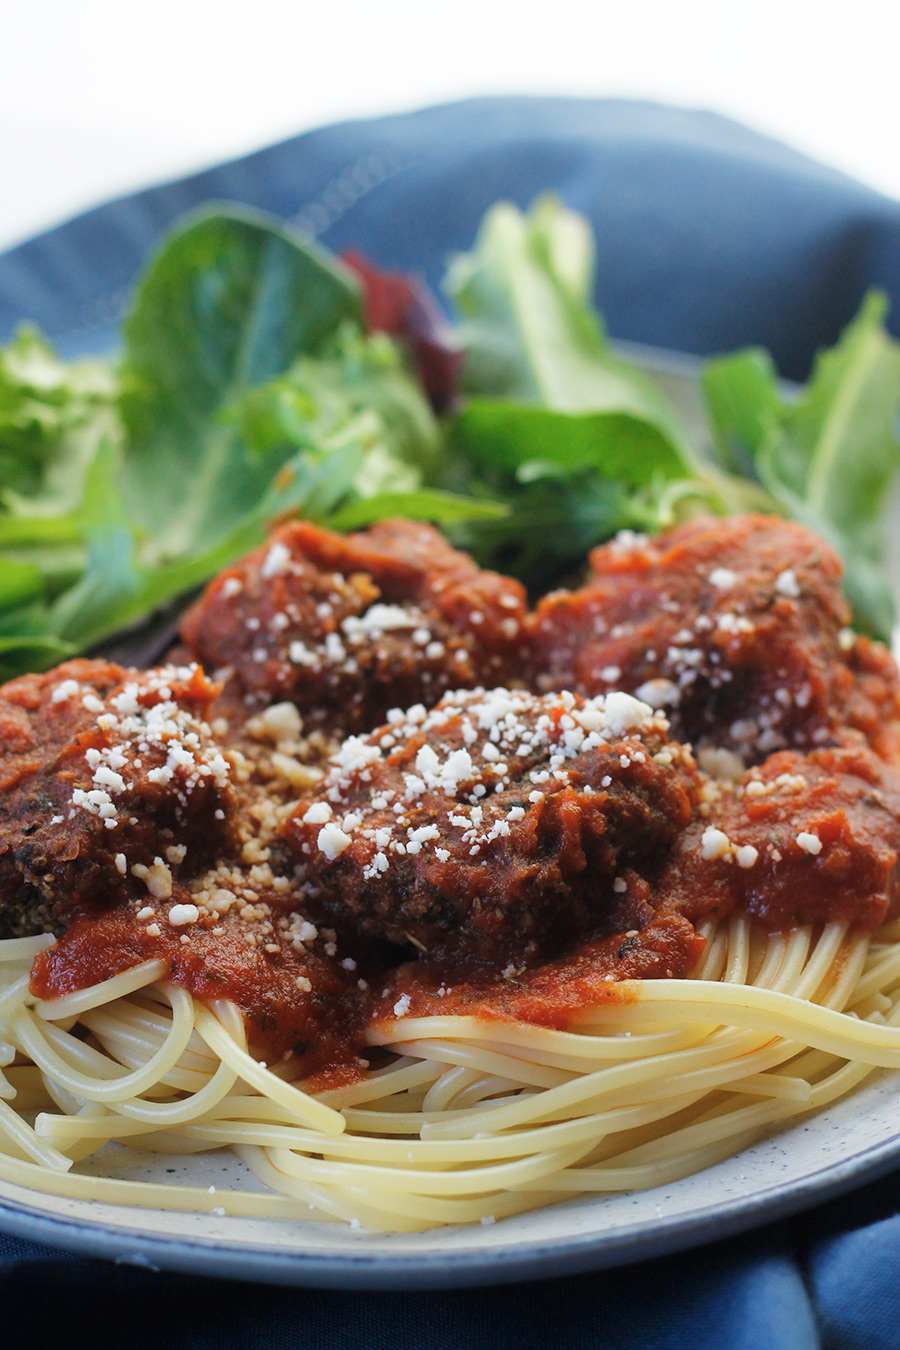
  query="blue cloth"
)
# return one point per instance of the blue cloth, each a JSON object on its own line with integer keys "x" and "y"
{"x": 709, "y": 236}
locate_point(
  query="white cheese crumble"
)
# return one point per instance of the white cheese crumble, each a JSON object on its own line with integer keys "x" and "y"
{"x": 332, "y": 841}
{"x": 658, "y": 693}
{"x": 624, "y": 713}
{"x": 159, "y": 880}
{"x": 300, "y": 655}
{"x": 714, "y": 843}
{"x": 809, "y": 842}
{"x": 786, "y": 584}
{"x": 378, "y": 620}
{"x": 317, "y": 814}
{"x": 182, "y": 915}
{"x": 277, "y": 561}
{"x": 63, "y": 692}
{"x": 281, "y": 723}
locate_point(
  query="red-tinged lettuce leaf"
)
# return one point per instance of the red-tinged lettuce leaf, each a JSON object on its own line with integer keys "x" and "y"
{"x": 404, "y": 308}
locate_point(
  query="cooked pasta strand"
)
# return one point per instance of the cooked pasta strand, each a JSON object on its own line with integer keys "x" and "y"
{"x": 471, "y": 1119}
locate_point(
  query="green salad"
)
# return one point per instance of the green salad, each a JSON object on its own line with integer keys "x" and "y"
{"x": 258, "y": 378}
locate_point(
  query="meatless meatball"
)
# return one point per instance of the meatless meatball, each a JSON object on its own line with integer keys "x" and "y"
{"x": 108, "y": 778}
{"x": 346, "y": 627}
{"x": 802, "y": 839}
{"x": 498, "y": 826}
{"x": 731, "y": 626}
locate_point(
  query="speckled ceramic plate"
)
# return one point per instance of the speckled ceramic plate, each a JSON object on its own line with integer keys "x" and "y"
{"x": 855, "y": 1141}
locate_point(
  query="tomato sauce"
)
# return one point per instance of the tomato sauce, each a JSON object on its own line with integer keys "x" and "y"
{"x": 511, "y": 861}
{"x": 551, "y": 994}
{"x": 320, "y": 1026}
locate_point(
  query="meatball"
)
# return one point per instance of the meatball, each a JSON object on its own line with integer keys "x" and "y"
{"x": 108, "y": 778}
{"x": 867, "y": 694}
{"x": 802, "y": 839}
{"x": 499, "y": 826}
{"x": 732, "y": 626}
{"x": 346, "y": 627}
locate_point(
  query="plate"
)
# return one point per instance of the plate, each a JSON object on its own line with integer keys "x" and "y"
{"x": 73, "y": 281}
{"x": 854, "y": 1141}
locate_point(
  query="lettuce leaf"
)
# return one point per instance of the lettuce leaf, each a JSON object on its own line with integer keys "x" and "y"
{"x": 246, "y": 391}
{"x": 50, "y": 413}
{"x": 575, "y": 440}
{"x": 230, "y": 302}
{"x": 529, "y": 332}
{"x": 828, "y": 456}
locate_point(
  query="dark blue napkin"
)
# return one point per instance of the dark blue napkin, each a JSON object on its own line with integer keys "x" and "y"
{"x": 709, "y": 237}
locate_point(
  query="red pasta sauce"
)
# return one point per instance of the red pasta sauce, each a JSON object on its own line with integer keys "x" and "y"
{"x": 733, "y": 630}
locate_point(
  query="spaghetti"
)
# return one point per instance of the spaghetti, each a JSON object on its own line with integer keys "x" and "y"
{"x": 471, "y": 1120}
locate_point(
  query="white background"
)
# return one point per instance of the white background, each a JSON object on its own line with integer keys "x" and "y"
{"x": 99, "y": 97}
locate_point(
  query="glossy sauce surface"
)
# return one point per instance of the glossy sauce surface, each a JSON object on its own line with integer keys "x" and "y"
{"x": 321, "y": 1026}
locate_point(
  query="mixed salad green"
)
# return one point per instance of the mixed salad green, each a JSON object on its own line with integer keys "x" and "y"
{"x": 254, "y": 381}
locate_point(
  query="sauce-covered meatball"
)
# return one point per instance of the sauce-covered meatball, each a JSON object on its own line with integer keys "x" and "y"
{"x": 346, "y": 627}
{"x": 497, "y": 827}
{"x": 733, "y": 627}
{"x": 802, "y": 839}
{"x": 106, "y": 776}
{"x": 867, "y": 694}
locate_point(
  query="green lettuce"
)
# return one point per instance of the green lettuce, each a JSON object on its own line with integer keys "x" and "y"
{"x": 827, "y": 455}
